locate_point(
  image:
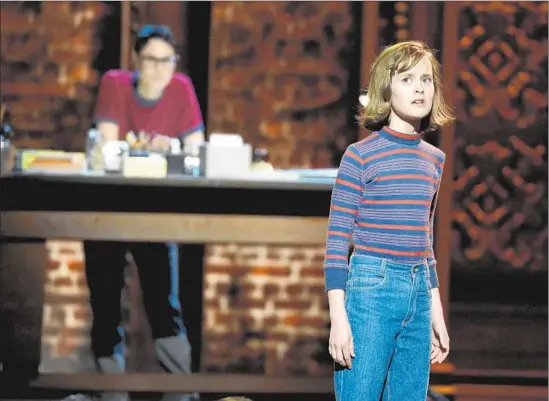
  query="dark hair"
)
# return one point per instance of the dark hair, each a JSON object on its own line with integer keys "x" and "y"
{"x": 149, "y": 32}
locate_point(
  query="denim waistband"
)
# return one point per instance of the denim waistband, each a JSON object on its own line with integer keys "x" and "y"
{"x": 386, "y": 264}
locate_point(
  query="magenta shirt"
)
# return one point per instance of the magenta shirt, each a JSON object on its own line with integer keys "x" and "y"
{"x": 175, "y": 114}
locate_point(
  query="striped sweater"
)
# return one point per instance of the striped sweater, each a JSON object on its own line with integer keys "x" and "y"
{"x": 384, "y": 200}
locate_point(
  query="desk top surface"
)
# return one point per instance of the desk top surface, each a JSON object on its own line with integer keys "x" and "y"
{"x": 314, "y": 180}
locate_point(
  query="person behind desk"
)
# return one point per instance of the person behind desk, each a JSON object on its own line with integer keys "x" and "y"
{"x": 162, "y": 103}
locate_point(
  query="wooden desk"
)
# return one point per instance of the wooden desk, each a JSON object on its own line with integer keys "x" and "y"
{"x": 35, "y": 207}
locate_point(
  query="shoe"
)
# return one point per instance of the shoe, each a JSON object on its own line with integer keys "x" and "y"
{"x": 80, "y": 397}
{"x": 174, "y": 354}
{"x": 111, "y": 364}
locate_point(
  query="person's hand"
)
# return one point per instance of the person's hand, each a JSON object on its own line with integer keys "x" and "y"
{"x": 341, "y": 341}
{"x": 440, "y": 340}
{"x": 160, "y": 143}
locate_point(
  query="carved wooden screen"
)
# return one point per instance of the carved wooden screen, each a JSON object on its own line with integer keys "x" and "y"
{"x": 500, "y": 171}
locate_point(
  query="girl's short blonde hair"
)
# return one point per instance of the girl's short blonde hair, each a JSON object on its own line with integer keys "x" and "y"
{"x": 396, "y": 59}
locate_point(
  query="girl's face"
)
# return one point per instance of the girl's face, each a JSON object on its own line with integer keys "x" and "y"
{"x": 412, "y": 93}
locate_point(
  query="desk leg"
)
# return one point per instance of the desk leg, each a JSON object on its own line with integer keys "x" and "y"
{"x": 22, "y": 292}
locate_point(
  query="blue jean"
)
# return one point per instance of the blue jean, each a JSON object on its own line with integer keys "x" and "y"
{"x": 389, "y": 310}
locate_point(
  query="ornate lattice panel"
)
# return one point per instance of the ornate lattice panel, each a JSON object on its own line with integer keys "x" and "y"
{"x": 500, "y": 175}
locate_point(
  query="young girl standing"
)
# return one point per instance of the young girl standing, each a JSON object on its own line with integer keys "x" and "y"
{"x": 387, "y": 323}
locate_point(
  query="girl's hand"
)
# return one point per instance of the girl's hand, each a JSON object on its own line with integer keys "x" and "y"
{"x": 440, "y": 343}
{"x": 341, "y": 341}
{"x": 440, "y": 340}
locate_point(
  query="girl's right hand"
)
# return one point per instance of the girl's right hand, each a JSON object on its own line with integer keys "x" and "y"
{"x": 341, "y": 341}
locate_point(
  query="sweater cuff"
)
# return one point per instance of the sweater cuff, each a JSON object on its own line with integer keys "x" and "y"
{"x": 335, "y": 278}
{"x": 433, "y": 277}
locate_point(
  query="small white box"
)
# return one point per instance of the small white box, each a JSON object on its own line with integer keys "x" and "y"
{"x": 218, "y": 161}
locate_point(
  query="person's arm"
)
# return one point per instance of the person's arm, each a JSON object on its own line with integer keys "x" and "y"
{"x": 192, "y": 125}
{"x": 109, "y": 108}
{"x": 440, "y": 339}
{"x": 431, "y": 259}
{"x": 346, "y": 198}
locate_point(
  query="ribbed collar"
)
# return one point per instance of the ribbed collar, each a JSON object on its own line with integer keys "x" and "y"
{"x": 399, "y": 137}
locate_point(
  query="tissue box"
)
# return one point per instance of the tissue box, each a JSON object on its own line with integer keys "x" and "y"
{"x": 225, "y": 161}
{"x": 147, "y": 166}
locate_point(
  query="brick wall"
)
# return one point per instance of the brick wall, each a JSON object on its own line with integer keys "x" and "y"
{"x": 47, "y": 79}
{"x": 265, "y": 310}
{"x": 278, "y": 78}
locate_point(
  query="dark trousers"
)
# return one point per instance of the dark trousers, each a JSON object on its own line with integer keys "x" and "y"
{"x": 158, "y": 268}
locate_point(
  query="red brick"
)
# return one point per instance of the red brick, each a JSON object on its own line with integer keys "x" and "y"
{"x": 270, "y": 321}
{"x": 212, "y": 303}
{"x": 271, "y": 289}
{"x": 222, "y": 288}
{"x": 247, "y": 287}
{"x": 317, "y": 289}
{"x": 13, "y": 21}
{"x": 211, "y": 336}
{"x": 76, "y": 265}
{"x": 66, "y": 347}
{"x": 271, "y": 271}
{"x": 232, "y": 270}
{"x": 52, "y": 265}
{"x": 36, "y": 89}
{"x": 295, "y": 289}
{"x": 68, "y": 55}
{"x": 292, "y": 304}
{"x": 298, "y": 320}
{"x": 277, "y": 336}
{"x": 83, "y": 314}
{"x": 29, "y": 104}
{"x": 50, "y": 330}
{"x": 313, "y": 321}
{"x": 63, "y": 282}
{"x": 297, "y": 255}
{"x": 246, "y": 302}
{"x": 56, "y": 299}
{"x": 312, "y": 271}
{"x": 67, "y": 251}
{"x": 23, "y": 123}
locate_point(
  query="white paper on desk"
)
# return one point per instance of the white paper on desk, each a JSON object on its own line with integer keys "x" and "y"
{"x": 224, "y": 140}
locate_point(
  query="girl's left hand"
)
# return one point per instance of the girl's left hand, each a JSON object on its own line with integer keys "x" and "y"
{"x": 440, "y": 341}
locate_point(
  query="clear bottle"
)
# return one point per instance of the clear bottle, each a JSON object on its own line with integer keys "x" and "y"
{"x": 192, "y": 159}
{"x": 6, "y": 149}
{"x": 94, "y": 153}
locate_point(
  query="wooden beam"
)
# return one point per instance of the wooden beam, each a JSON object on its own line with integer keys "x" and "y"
{"x": 370, "y": 46}
{"x": 443, "y": 222}
{"x": 163, "y": 227}
{"x": 477, "y": 392}
{"x": 172, "y": 14}
{"x": 201, "y": 383}
{"x": 419, "y": 21}
{"x": 370, "y": 39}
{"x": 256, "y": 384}
{"x": 125, "y": 34}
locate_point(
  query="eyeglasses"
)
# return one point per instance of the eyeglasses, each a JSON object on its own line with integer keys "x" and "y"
{"x": 151, "y": 61}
